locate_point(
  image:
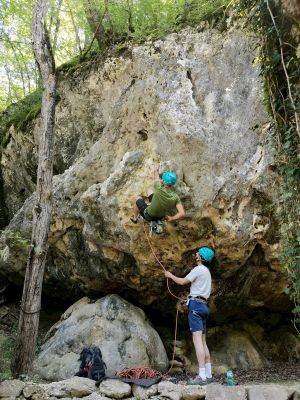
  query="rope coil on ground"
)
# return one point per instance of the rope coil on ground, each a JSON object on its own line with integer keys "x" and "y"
{"x": 139, "y": 373}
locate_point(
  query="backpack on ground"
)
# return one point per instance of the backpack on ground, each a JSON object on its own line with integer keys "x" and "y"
{"x": 92, "y": 365}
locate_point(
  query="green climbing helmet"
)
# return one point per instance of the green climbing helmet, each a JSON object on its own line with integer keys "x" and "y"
{"x": 206, "y": 253}
{"x": 169, "y": 178}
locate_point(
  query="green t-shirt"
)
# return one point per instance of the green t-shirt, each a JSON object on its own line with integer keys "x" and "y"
{"x": 163, "y": 201}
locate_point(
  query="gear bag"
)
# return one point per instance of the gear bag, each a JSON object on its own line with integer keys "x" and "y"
{"x": 92, "y": 365}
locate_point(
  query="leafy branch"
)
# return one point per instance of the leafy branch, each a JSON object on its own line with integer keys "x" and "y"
{"x": 15, "y": 237}
{"x": 284, "y": 67}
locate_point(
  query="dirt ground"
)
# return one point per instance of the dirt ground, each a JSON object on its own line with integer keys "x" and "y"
{"x": 275, "y": 373}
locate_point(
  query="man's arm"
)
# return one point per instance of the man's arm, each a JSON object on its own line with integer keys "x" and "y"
{"x": 179, "y": 281}
{"x": 178, "y": 215}
{"x": 156, "y": 173}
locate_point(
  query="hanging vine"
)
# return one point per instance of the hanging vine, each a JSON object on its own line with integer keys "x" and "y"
{"x": 279, "y": 52}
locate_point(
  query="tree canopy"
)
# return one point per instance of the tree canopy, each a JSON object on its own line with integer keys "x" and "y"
{"x": 78, "y": 28}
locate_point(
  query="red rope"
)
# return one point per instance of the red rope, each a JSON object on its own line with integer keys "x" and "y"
{"x": 159, "y": 262}
{"x": 172, "y": 294}
{"x": 138, "y": 373}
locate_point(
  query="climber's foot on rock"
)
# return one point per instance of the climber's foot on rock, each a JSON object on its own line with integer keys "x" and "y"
{"x": 134, "y": 221}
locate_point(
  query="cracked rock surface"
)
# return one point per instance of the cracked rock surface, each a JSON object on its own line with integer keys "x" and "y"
{"x": 193, "y": 102}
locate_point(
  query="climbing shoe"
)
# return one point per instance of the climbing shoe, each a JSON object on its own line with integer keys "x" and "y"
{"x": 197, "y": 381}
{"x": 133, "y": 220}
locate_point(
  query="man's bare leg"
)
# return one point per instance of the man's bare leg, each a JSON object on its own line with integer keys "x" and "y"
{"x": 207, "y": 358}
{"x": 136, "y": 210}
{"x": 200, "y": 353}
{"x": 198, "y": 344}
{"x": 206, "y": 351}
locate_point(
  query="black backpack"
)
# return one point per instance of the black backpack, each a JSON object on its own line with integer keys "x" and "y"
{"x": 92, "y": 366}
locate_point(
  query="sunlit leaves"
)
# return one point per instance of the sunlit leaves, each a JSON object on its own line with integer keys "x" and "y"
{"x": 72, "y": 35}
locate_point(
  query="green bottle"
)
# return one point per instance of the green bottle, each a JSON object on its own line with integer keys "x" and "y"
{"x": 229, "y": 377}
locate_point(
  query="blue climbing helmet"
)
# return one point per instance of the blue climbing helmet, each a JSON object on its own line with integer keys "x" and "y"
{"x": 206, "y": 253}
{"x": 169, "y": 178}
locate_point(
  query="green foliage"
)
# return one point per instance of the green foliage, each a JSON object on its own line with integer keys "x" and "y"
{"x": 73, "y": 40}
{"x": 279, "y": 70}
{"x": 17, "y": 67}
{"x": 7, "y": 345}
{"x": 142, "y": 20}
{"x": 73, "y": 36}
{"x": 14, "y": 238}
{"x": 8, "y": 331}
{"x": 19, "y": 114}
{"x": 195, "y": 11}
{"x": 5, "y": 376}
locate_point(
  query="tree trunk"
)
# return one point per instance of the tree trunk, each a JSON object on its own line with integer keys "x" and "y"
{"x": 31, "y": 299}
{"x": 95, "y": 21}
{"x": 9, "y": 95}
{"x": 57, "y": 25}
{"x": 129, "y": 11}
{"x": 75, "y": 27}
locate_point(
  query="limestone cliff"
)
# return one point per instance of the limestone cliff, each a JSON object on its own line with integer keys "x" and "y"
{"x": 193, "y": 102}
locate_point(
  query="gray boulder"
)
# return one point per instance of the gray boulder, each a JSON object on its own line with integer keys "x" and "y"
{"x": 121, "y": 330}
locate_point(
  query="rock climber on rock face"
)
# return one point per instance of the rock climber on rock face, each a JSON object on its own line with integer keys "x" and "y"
{"x": 200, "y": 280}
{"x": 162, "y": 202}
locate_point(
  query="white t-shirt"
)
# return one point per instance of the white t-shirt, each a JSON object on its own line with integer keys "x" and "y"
{"x": 200, "y": 279}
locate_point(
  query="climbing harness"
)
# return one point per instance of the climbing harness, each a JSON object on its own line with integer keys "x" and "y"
{"x": 156, "y": 226}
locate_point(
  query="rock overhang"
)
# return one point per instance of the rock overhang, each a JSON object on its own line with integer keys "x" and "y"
{"x": 196, "y": 98}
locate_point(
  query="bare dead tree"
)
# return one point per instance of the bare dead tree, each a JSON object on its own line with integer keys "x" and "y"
{"x": 32, "y": 290}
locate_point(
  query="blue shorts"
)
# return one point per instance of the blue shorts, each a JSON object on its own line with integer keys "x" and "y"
{"x": 198, "y": 313}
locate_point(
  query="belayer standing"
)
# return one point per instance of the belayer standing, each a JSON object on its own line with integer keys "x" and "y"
{"x": 200, "y": 280}
{"x": 163, "y": 201}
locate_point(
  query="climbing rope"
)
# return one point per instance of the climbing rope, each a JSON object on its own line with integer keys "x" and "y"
{"x": 159, "y": 262}
{"x": 139, "y": 373}
{"x": 172, "y": 294}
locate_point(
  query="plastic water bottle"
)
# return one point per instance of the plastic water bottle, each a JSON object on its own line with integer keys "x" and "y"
{"x": 229, "y": 377}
